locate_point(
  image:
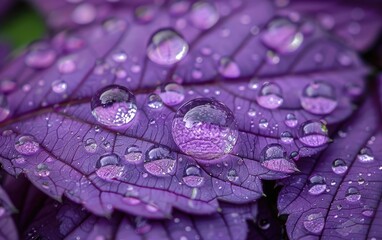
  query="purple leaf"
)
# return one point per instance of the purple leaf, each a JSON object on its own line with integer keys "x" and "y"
{"x": 69, "y": 221}
{"x": 7, "y": 226}
{"x": 113, "y": 147}
{"x": 339, "y": 194}
{"x": 357, "y": 23}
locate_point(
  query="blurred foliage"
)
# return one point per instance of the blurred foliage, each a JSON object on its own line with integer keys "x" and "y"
{"x": 21, "y": 25}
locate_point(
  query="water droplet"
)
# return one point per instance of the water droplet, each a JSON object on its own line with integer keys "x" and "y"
{"x": 317, "y": 185}
{"x": 108, "y": 167}
{"x": 4, "y": 108}
{"x": 114, "y": 106}
{"x": 286, "y": 137}
{"x": 313, "y": 133}
{"x": 368, "y": 211}
{"x": 204, "y": 15}
{"x": 205, "y": 129}
{"x": 273, "y": 157}
{"x": 40, "y": 56}
{"x": 167, "y": 47}
{"x": 264, "y": 224}
{"x": 133, "y": 154}
{"x": 91, "y": 145}
{"x": 145, "y": 13}
{"x": 319, "y": 98}
{"x": 27, "y": 145}
{"x": 66, "y": 65}
{"x": 18, "y": 160}
{"x": 339, "y": 166}
{"x": 193, "y": 177}
{"x": 142, "y": 226}
{"x": 314, "y": 223}
{"x": 228, "y": 68}
{"x": 119, "y": 57}
{"x": 7, "y": 85}
{"x": 159, "y": 161}
{"x": 154, "y": 101}
{"x": 352, "y": 194}
{"x": 172, "y": 94}
{"x": 365, "y": 155}
{"x": 59, "y": 86}
{"x": 272, "y": 58}
{"x": 291, "y": 120}
{"x": 42, "y": 170}
{"x": 270, "y": 96}
{"x": 232, "y": 175}
{"x": 282, "y": 36}
{"x": 84, "y": 13}
{"x": 263, "y": 123}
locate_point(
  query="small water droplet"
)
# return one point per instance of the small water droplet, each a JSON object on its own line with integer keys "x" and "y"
{"x": 317, "y": 185}
{"x": 90, "y": 145}
{"x": 114, "y": 106}
{"x": 339, "y": 166}
{"x": 84, "y": 13}
{"x": 159, "y": 161}
{"x": 204, "y": 15}
{"x": 119, "y": 57}
{"x": 273, "y": 157}
{"x": 291, "y": 120}
{"x": 167, "y": 47}
{"x": 228, "y": 68}
{"x": 263, "y": 224}
{"x": 205, "y": 129}
{"x": 40, "y": 56}
{"x": 4, "y": 108}
{"x": 193, "y": 177}
{"x": 66, "y": 65}
{"x": 286, "y": 137}
{"x": 145, "y": 13}
{"x": 313, "y": 133}
{"x": 282, "y": 36}
{"x": 232, "y": 175}
{"x": 154, "y": 101}
{"x": 59, "y": 86}
{"x": 27, "y": 145}
{"x": 142, "y": 226}
{"x": 263, "y": 123}
{"x": 172, "y": 94}
{"x": 365, "y": 155}
{"x": 319, "y": 98}
{"x": 367, "y": 211}
{"x": 352, "y": 194}
{"x": 7, "y": 85}
{"x": 272, "y": 58}
{"x": 18, "y": 160}
{"x": 133, "y": 154}
{"x": 314, "y": 223}
{"x": 270, "y": 96}
{"x": 42, "y": 170}
{"x": 108, "y": 167}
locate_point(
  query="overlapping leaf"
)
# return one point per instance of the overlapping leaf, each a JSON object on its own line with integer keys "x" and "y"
{"x": 339, "y": 194}
{"x": 70, "y": 221}
{"x": 8, "y": 229}
{"x": 61, "y": 123}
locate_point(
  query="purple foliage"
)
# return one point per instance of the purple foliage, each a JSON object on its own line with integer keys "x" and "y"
{"x": 121, "y": 149}
{"x": 71, "y": 221}
{"x": 8, "y": 229}
{"x": 339, "y": 194}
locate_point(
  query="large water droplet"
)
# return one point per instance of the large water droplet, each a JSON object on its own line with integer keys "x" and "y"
{"x": 319, "y": 98}
{"x": 172, "y": 94}
{"x": 66, "y": 65}
{"x": 133, "y": 154}
{"x": 4, "y": 107}
{"x": 7, "y": 85}
{"x": 282, "y": 36}
{"x": 314, "y": 223}
{"x": 270, "y": 96}
{"x": 154, "y": 101}
{"x": 228, "y": 68}
{"x": 317, "y": 185}
{"x": 291, "y": 120}
{"x": 159, "y": 161}
{"x": 313, "y": 133}
{"x": 365, "y": 155}
{"x": 27, "y": 145}
{"x": 40, "y": 56}
{"x": 193, "y": 176}
{"x": 204, "y": 15}
{"x": 91, "y": 145}
{"x": 84, "y": 13}
{"x": 108, "y": 167}
{"x": 352, "y": 194}
{"x": 167, "y": 47}
{"x": 339, "y": 166}
{"x": 274, "y": 157}
{"x": 114, "y": 106}
{"x": 205, "y": 129}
